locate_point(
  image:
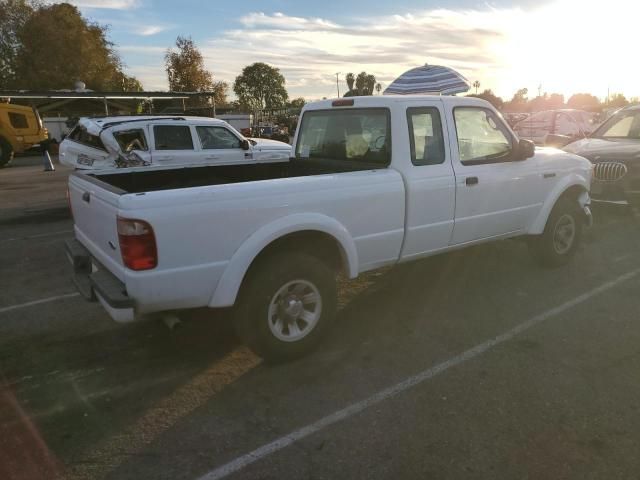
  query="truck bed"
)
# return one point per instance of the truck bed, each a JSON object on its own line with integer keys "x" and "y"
{"x": 167, "y": 179}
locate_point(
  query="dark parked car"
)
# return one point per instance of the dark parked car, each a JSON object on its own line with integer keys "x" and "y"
{"x": 614, "y": 149}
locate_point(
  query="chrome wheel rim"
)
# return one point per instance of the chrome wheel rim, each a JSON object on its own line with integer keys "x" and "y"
{"x": 294, "y": 310}
{"x": 564, "y": 234}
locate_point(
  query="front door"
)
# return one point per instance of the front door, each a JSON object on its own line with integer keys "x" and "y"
{"x": 219, "y": 145}
{"x": 496, "y": 194}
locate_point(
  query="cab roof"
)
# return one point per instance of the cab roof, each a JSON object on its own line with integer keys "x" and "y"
{"x": 387, "y": 100}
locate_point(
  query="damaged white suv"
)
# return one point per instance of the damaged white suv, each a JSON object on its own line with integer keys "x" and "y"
{"x": 142, "y": 141}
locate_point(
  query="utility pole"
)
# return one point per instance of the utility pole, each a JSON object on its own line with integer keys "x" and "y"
{"x": 337, "y": 84}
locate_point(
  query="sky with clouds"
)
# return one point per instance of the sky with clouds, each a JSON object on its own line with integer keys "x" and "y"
{"x": 564, "y": 46}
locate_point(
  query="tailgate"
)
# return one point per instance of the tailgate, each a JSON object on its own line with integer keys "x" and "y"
{"x": 95, "y": 210}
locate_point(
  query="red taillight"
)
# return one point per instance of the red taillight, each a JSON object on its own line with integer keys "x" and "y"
{"x": 342, "y": 103}
{"x": 137, "y": 244}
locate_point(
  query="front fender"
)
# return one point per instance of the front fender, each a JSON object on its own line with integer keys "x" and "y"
{"x": 231, "y": 280}
{"x": 569, "y": 181}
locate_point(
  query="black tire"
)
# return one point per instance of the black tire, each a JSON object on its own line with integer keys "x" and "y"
{"x": 6, "y": 153}
{"x": 562, "y": 235}
{"x": 259, "y": 295}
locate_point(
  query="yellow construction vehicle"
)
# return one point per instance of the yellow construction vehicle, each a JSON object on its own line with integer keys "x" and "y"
{"x": 21, "y": 128}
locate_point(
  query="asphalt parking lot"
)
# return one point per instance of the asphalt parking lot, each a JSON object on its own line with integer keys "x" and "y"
{"x": 478, "y": 365}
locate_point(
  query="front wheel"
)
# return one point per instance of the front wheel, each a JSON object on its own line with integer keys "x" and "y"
{"x": 286, "y": 305}
{"x": 561, "y": 237}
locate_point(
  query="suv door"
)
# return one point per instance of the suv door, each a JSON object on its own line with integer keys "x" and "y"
{"x": 495, "y": 193}
{"x": 219, "y": 145}
{"x": 173, "y": 144}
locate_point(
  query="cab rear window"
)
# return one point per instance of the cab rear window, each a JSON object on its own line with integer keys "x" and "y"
{"x": 361, "y": 135}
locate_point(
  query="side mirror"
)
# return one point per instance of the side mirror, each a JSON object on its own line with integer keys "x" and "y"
{"x": 557, "y": 141}
{"x": 244, "y": 144}
{"x": 526, "y": 149}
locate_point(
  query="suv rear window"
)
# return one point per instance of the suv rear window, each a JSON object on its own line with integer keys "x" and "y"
{"x": 170, "y": 137}
{"x": 18, "y": 120}
{"x": 351, "y": 134}
{"x": 80, "y": 135}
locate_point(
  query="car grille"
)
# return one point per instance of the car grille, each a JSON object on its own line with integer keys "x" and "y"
{"x": 609, "y": 171}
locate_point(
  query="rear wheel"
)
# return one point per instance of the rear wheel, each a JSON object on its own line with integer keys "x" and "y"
{"x": 6, "y": 153}
{"x": 286, "y": 305}
{"x": 561, "y": 237}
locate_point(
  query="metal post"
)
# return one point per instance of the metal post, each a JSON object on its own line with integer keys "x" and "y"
{"x": 337, "y": 84}
{"x": 106, "y": 106}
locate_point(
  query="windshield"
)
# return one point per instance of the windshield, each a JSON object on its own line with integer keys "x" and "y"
{"x": 622, "y": 125}
{"x": 349, "y": 135}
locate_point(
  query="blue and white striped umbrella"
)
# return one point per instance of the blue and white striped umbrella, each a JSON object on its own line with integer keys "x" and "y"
{"x": 429, "y": 79}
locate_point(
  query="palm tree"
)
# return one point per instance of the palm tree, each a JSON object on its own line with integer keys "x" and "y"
{"x": 378, "y": 88}
{"x": 370, "y": 84}
{"x": 476, "y": 85}
{"x": 350, "y": 78}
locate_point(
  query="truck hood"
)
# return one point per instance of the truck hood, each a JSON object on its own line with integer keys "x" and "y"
{"x": 264, "y": 144}
{"x": 601, "y": 150}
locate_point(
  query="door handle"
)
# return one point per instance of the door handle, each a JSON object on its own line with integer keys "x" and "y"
{"x": 166, "y": 157}
{"x": 549, "y": 175}
{"x": 212, "y": 157}
{"x": 86, "y": 196}
{"x": 470, "y": 181}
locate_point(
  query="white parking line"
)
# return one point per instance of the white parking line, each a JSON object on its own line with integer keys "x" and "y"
{"x": 40, "y": 235}
{"x": 38, "y": 302}
{"x": 353, "y": 409}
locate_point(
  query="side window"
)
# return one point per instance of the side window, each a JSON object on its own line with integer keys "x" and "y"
{"x": 565, "y": 125}
{"x": 18, "y": 120}
{"x": 425, "y": 134}
{"x": 217, "y": 138}
{"x": 482, "y": 137}
{"x": 131, "y": 140}
{"x": 173, "y": 137}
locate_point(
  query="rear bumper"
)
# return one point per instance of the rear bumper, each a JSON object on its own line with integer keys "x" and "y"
{"x": 94, "y": 282}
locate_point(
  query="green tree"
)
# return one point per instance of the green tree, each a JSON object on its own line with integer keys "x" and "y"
{"x": 519, "y": 101}
{"x": 546, "y": 102}
{"x": 378, "y": 88}
{"x": 584, "y": 101}
{"x": 57, "y": 47}
{"x": 186, "y": 72}
{"x": 350, "y": 78}
{"x": 490, "y": 97}
{"x": 297, "y": 103}
{"x": 260, "y": 86}
{"x": 13, "y": 15}
{"x": 365, "y": 84}
{"x": 618, "y": 100}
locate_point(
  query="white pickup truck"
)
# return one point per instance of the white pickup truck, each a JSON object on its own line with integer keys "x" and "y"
{"x": 374, "y": 181}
